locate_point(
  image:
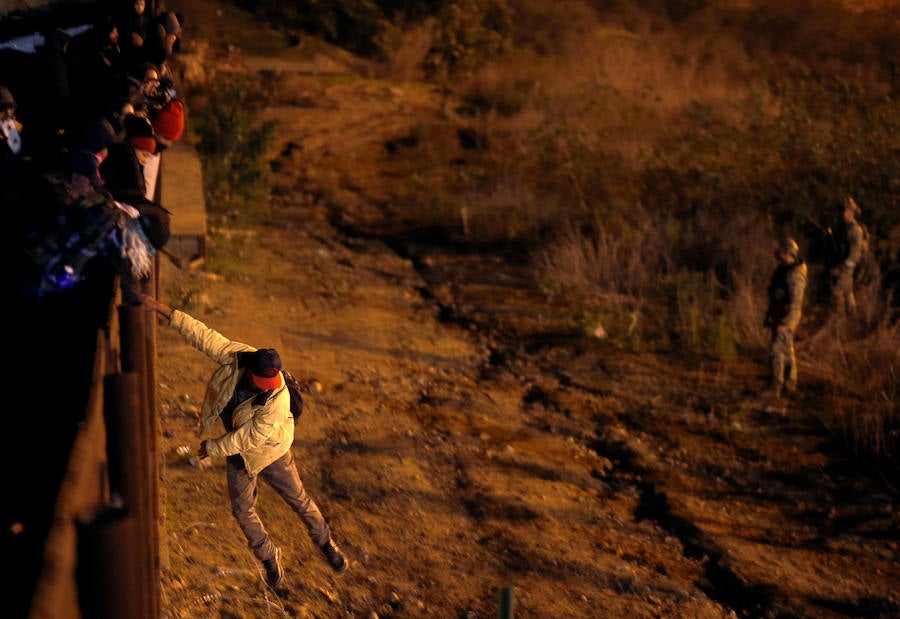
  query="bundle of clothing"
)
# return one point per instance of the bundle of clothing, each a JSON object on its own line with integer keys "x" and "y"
{"x": 83, "y": 225}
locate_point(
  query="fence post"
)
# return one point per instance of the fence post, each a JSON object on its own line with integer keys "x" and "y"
{"x": 130, "y": 484}
{"x": 140, "y": 427}
{"x": 506, "y": 603}
{"x": 108, "y": 576}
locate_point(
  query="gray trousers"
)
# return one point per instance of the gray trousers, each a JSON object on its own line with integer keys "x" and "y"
{"x": 281, "y": 475}
{"x": 842, "y": 297}
{"x": 783, "y": 359}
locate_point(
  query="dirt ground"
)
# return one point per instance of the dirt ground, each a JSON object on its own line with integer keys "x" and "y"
{"x": 468, "y": 438}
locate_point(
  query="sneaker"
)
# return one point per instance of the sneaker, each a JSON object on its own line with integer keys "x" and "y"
{"x": 334, "y": 556}
{"x": 274, "y": 571}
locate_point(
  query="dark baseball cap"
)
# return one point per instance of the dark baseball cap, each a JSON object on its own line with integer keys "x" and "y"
{"x": 264, "y": 365}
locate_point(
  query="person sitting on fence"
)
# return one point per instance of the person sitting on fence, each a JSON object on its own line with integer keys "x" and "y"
{"x": 91, "y": 149}
{"x": 123, "y": 168}
{"x": 10, "y": 128}
{"x": 18, "y": 171}
{"x": 146, "y": 37}
{"x": 98, "y": 68}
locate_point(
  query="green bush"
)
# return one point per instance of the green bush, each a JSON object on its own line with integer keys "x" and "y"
{"x": 696, "y": 315}
{"x": 233, "y": 140}
{"x": 469, "y": 33}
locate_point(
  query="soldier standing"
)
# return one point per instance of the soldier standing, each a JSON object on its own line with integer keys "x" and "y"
{"x": 786, "y": 290}
{"x": 849, "y": 248}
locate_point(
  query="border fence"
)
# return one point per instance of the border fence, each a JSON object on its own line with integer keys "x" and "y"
{"x": 101, "y": 554}
{"x": 80, "y": 515}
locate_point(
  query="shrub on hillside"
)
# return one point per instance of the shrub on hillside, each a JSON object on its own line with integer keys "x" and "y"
{"x": 353, "y": 24}
{"x": 648, "y": 152}
{"x": 857, "y": 361}
{"x": 233, "y": 140}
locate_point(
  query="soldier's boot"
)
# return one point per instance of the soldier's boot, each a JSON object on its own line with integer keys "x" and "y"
{"x": 772, "y": 394}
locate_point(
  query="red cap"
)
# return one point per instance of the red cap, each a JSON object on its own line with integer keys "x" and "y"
{"x": 266, "y": 383}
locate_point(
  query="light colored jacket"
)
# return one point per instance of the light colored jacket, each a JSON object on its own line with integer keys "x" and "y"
{"x": 262, "y": 432}
{"x": 796, "y": 281}
{"x": 856, "y": 245}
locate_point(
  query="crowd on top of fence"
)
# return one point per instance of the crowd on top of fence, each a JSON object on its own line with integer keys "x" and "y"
{"x": 85, "y": 113}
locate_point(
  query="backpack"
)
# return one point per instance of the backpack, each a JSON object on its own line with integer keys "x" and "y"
{"x": 295, "y": 389}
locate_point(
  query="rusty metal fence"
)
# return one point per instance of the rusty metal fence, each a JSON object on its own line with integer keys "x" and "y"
{"x": 101, "y": 556}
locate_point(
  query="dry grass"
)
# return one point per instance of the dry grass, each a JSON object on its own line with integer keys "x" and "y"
{"x": 857, "y": 359}
{"x": 746, "y": 308}
{"x": 510, "y": 210}
{"x": 626, "y": 262}
{"x": 588, "y": 121}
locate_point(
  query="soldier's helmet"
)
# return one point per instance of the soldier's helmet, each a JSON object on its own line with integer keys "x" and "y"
{"x": 851, "y": 205}
{"x": 789, "y": 246}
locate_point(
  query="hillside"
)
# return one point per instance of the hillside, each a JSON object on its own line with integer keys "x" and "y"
{"x": 470, "y": 434}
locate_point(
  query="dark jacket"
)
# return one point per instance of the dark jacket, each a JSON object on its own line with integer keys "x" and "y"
{"x": 123, "y": 173}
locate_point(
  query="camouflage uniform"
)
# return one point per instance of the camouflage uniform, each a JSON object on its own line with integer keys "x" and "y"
{"x": 851, "y": 240}
{"x": 786, "y": 291}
